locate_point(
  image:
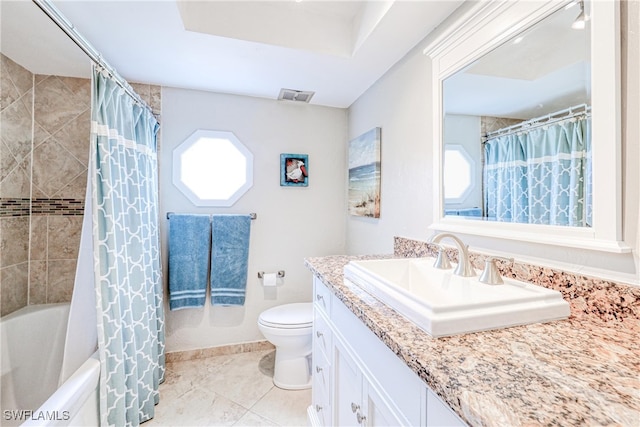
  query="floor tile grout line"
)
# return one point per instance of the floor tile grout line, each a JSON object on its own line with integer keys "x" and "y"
{"x": 187, "y": 374}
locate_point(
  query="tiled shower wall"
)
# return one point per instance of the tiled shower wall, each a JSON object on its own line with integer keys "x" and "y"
{"x": 44, "y": 150}
{"x": 16, "y": 117}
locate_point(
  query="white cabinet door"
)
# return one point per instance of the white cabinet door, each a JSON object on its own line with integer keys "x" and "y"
{"x": 357, "y": 401}
{"x": 378, "y": 412}
{"x": 439, "y": 414}
{"x": 348, "y": 389}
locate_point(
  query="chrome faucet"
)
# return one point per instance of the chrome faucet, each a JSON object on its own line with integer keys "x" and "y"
{"x": 491, "y": 274}
{"x": 464, "y": 267}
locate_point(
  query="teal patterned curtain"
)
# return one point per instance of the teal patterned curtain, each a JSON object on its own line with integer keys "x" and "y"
{"x": 126, "y": 254}
{"x": 541, "y": 176}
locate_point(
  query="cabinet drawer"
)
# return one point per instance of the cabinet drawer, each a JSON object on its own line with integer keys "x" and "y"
{"x": 321, "y": 296}
{"x": 321, "y": 408}
{"x": 322, "y": 335}
{"x": 321, "y": 379}
{"x": 321, "y": 389}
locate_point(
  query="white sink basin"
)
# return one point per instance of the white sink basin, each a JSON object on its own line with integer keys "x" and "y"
{"x": 443, "y": 304}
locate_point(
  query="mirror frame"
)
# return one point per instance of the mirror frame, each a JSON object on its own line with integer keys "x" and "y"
{"x": 484, "y": 26}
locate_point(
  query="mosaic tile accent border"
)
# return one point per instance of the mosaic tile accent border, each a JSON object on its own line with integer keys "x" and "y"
{"x": 610, "y": 301}
{"x": 13, "y": 207}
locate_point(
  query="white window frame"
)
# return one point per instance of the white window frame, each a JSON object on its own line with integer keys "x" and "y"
{"x": 178, "y": 167}
{"x": 471, "y": 184}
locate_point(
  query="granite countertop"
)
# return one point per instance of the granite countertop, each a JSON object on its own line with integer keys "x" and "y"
{"x": 578, "y": 371}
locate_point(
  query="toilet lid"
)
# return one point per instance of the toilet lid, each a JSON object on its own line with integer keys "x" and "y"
{"x": 296, "y": 315}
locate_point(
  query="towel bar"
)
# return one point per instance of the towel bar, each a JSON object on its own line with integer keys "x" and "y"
{"x": 252, "y": 215}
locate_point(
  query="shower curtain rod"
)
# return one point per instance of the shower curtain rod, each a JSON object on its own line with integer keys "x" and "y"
{"x": 567, "y": 113}
{"x": 61, "y": 21}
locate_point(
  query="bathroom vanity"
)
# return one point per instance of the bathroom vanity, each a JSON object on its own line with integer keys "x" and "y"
{"x": 372, "y": 366}
{"x": 357, "y": 380}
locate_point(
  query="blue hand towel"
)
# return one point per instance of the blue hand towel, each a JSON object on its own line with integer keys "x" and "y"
{"x": 188, "y": 260}
{"x": 229, "y": 259}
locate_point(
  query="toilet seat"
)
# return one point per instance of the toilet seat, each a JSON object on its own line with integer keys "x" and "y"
{"x": 288, "y": 316}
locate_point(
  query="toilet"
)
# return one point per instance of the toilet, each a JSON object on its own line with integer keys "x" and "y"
{"x": 288, "y": 327}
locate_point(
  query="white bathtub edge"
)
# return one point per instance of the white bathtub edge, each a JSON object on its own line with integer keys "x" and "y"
{"x": 67, "y": 405}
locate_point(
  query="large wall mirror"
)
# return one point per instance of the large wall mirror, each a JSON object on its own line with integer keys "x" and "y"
{"x": 527, "y": 123}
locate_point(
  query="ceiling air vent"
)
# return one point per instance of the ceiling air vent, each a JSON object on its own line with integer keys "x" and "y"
{"x": 295, "y": 95}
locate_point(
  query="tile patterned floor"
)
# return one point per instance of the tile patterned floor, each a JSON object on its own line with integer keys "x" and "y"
{"x": 230, "y": 390}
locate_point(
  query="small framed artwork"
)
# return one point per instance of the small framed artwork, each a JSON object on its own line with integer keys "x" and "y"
{"x": 294, "y": 170}
{"x": 364, "y": 174}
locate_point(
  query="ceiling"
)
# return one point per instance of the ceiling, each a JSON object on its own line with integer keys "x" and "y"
{"x": 337, "y": 49}
{"x": 542, "y": 70}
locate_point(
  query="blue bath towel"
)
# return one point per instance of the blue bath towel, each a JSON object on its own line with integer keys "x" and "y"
{"x": 229, "y": 258}
{"x": 189, "y": 244}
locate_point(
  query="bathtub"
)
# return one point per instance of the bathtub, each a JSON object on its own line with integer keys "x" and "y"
{"x": 31, "y": 349}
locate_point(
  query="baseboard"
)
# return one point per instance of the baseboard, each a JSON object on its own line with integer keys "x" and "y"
{"x": 201, "y": 353}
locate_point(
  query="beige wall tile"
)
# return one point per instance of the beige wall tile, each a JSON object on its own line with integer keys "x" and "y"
{"x": 17, "y": 182}
{"x": 60, "y": 278}
{"x": 63, "y": 237}
{"x": 81, "y": 89}
{"x": 7, "y": 161}
{"x": 75, "y": 189}
{"x": 16, "y": 129}
{"x": 38, "y": 249}
{"x": 56, "y": 104}
{"x": 155, "y": 98}
{"x": 14, "y": 240}
{"x": 37, "y": 282}
{"x": 74, "y": 136}
{"x": 14, "y": 283}
{"x": 15, "y": 81}
{"x": 53, "y": 167}
{"x": 40, "y": 135}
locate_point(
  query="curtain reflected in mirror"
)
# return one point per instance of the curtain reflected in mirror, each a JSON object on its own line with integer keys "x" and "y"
{"x": 540, "y": 175}
{"x": 517, "y": 129}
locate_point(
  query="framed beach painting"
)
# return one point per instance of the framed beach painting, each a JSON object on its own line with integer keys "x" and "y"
{"x": 364, "y": 174}
{"x": 294, "y": 170}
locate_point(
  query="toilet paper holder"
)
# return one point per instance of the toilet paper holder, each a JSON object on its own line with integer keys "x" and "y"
{"x": 279, "y": 274}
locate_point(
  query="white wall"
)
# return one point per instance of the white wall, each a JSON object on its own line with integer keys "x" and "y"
{"x": 400, "y": 103}
{"x": 292, "y": 223}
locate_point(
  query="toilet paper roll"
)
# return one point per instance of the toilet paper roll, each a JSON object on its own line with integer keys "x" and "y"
{"x": 269, "y": 279}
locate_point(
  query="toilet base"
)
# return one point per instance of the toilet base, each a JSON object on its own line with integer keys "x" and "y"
{"x": 292, "y": 371}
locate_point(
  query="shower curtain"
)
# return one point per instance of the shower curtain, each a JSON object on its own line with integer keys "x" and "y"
{"x": 126, "y": 254}
{"x": 541, "y": 176}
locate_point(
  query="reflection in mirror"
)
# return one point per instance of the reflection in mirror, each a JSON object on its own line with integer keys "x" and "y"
{"x": 521, "y": 114}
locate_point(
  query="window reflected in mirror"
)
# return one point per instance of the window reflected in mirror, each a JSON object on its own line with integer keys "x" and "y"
{"x": 522, "y": 114}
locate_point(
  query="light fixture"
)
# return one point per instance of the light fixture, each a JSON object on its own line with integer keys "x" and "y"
{"x": 581, "y": 20}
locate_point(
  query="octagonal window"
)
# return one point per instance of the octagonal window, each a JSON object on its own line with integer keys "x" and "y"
{"x": 458, "y": 170}
{"x": 212, "y": 168}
